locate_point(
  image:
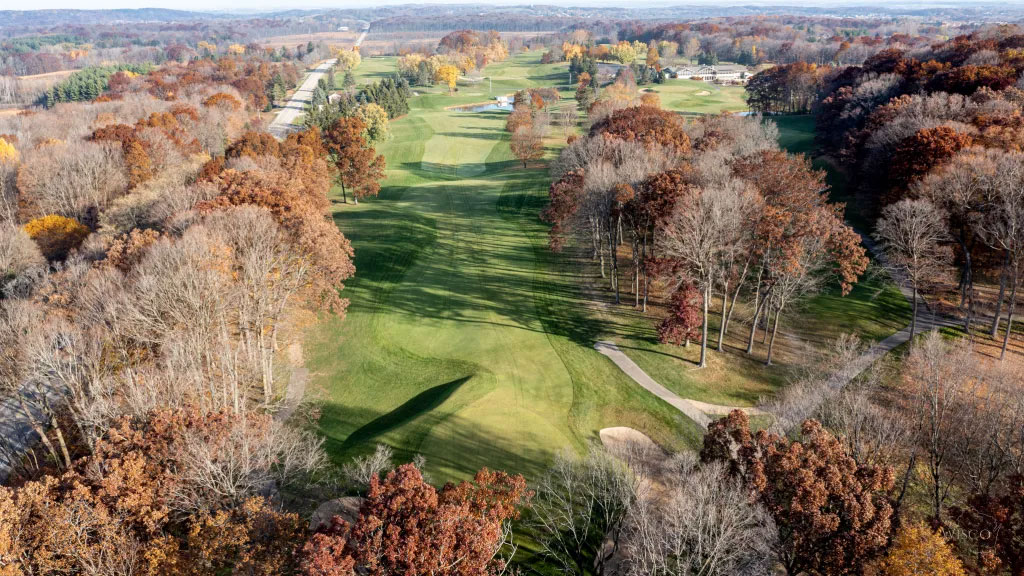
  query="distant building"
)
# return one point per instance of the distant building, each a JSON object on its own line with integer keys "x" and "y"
{"x": 725, "y": 74}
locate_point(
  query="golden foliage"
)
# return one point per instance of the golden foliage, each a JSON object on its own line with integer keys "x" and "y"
{"x": 447, "y": 74}
{"x": 8, "y": 153}
{"x": 56, "y": 235}
{"x": 918, "y": 550}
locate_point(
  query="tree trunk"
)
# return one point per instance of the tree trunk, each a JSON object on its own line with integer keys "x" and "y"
{"x": 344, "y": 194}
{"x": 613, "y": 245}
{"x": 999, "y": 301}
{"x": 913, "y": 315}
{"x": 38, "y": 429}
{"x": 767, "y": 323}
{"x": 704, "y": 329}
{"x": 775, "y": 330}
{"x": 643, "y": 258}
{"x": 758, "y": 308}
{"x": 966, "y": 280}
{"x": 736, "y": 295}
{"x": 1009, "y": 314}
{"x": 721, "y": 327}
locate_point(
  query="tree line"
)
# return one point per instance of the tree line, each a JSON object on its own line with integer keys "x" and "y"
{"x": 710, "y": 207}
{"x": 928, "y": 137}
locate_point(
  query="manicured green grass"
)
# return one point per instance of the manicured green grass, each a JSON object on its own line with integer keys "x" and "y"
{"x": 469, "y": 341}
{"x": 466, "y": 339}
{"x": 371, "y": 69}
{"x": 696, "y": 97}
{"x": 796, "y": 133}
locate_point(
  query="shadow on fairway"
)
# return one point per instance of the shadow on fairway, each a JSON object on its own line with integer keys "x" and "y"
{"x": 419, "y": 404}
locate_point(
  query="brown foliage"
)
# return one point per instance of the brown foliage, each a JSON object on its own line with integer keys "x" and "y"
{"x": 647, "y": 125}
{"x": 832, "y": 514}
{"x": 405, "y": 526}
{"x": 926, "y": 149}
{"x": 357, "y": 165}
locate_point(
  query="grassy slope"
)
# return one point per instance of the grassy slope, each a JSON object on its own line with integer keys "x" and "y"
{"x": 466, "y": 339}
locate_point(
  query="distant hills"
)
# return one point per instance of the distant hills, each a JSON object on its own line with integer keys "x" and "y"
{"x": 25, "y": 19}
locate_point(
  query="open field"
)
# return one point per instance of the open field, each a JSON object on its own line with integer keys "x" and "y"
{"x": 341, "y": 38}
{"x": 466, "y": 339}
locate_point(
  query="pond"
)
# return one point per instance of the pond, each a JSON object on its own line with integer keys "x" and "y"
{"x": 484, "y": 107}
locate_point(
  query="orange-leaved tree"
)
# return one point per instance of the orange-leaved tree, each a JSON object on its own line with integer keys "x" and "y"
{"x": 406, "y": 526}
{"x": 357, "y": 165}
{"x": 832, "y": 513}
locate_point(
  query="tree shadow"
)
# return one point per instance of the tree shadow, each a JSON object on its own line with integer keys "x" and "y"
{"x": 411, "y": 409}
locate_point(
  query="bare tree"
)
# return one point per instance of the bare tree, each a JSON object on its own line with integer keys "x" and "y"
{"x": 705, "y": 525}
{"x": 705, "y": 233}
{"x": 362, "y": 469}
{"x": 1003, "y": 226}
{"x": 567, "y": 118}
{"x": 580, "y": 510}
{"x": 911, "y": 233}
{"x": 941, "y": 377}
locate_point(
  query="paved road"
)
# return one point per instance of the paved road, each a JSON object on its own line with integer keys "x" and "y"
{"x": 282, "y": 125}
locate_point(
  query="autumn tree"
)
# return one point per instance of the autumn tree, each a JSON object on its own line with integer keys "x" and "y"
{"x": 911, "y": 233}
{"x": 1000, "y": 517}
{"x": 684, "y": 319}
{"x": 832, "y": 514}
{"x": 646, "y": 125}
{"x": 527, "y": 144}
{"x": 705, "y": 231}
{"x": 917, "y": 549}
{"x": 447, "y": 75}
{"x": 407, "y": 526}
{"x": 357, "y": 165}
{"x": 924, "y": 150}
{"x": 56, "y": 235}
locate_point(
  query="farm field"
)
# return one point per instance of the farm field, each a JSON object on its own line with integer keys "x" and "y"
{"x": 469, "y": 342}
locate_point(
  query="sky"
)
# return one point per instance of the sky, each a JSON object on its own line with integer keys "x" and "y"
{"x": 262, "y": 5}
{"x": 250, "y": 5}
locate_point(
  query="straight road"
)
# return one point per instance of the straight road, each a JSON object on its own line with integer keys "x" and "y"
{"x": 284, "y": 123}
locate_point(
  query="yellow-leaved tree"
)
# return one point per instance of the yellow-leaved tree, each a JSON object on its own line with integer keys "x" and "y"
{"x": 917, "y": 550}
{"x": 376, "y": 120}
{"x": 8, "y": 153}
{"x": 447, "y": 74}
{"x": 56, "y": 235}
{"x": 348, "y": 59}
